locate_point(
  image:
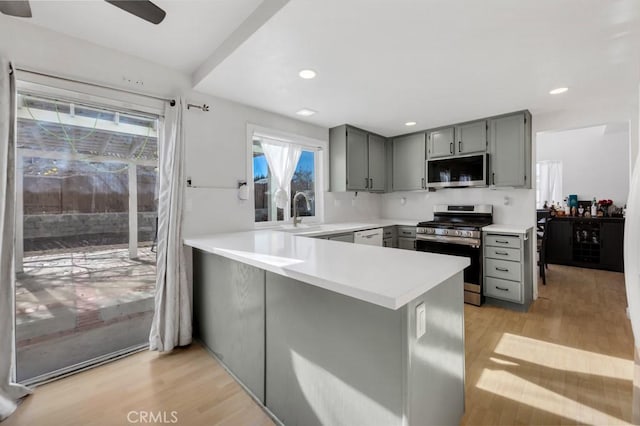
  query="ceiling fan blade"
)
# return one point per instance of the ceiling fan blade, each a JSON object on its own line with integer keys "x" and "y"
{"x": 20, "y": 8}
{"x": 141, "y": 8}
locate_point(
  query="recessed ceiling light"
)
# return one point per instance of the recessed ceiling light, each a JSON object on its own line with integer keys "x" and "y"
{"x": 305, "y": 112}
{"x": 410, "y": 123}
{"x": 558, "y": 90}
{"x": 307, "y": 74}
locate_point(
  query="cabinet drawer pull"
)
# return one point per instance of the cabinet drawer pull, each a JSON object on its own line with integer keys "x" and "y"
{"x": 371, "y": 183}
{"x": 406, "y": 233}
{"x": 502, "y": 253}
{"x": 366, "y": 182}
{"x": 502, "y": 288}
{"x": 501, "y": 269}
{"x": 502, "y": 242}
{"x": 451, "y": 148}
{"x": 459, "y": 146}
{"x": 424, "y": 185}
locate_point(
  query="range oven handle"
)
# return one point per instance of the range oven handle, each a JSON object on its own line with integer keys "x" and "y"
{"x": 451, "y": 240}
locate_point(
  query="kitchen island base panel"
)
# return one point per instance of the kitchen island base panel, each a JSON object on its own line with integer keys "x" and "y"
{"x": 332, "y": 359}
{"x": 328, "y": 358}
{"x": 228, "y": 316}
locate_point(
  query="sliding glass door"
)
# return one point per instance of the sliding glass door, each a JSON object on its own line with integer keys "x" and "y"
{"x": 86, "y": 229}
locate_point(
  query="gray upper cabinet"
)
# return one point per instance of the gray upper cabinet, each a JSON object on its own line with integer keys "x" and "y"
{"x": 377, "y": 163}
{"x": 357, "y": 160}
{"x": 441, "y": 142}
{"x": 510, "y": 150}
{"x": 409, "y": 155}
{"x": 471, "y": 138}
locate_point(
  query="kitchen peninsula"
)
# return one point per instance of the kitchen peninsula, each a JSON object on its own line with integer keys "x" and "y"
{"x": 324, "y": 332}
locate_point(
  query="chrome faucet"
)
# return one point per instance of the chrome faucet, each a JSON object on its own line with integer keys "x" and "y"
{"x": 297, "y": 220}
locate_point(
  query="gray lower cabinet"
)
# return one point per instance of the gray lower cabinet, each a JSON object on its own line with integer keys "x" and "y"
{"x": 507, "y": 269}
{"x": 357, "y": 160}
{"x": 345, "y": 238}
{"x": 406, "y": 243}
{"x": 409, "y": 162}
{"x": 510, "y": 150}
{"x": 389, "y": 236}
{"x": 441, "y": 142}
{"x": 228, "y": 315}
{"x": 406, "y": 237}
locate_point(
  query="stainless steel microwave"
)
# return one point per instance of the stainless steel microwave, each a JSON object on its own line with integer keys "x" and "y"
{"x": 458, "y": 171}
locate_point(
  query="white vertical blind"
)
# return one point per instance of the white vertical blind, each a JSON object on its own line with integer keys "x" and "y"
{"x": 549, "y": 180}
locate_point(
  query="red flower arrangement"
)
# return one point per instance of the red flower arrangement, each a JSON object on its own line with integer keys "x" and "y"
{"x": 605, "y": 203}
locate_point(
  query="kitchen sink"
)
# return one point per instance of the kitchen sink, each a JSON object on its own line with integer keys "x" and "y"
{"x": 302, "y": 228}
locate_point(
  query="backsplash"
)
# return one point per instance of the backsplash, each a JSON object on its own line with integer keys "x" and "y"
{"x": 518, "y": 210}
{"x": 349, "y": 207}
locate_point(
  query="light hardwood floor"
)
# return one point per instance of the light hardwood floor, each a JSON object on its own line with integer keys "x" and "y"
{"x": 569, "y": 360}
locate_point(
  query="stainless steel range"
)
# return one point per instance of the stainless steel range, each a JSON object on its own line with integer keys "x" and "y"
{"x": 457, "y": 230}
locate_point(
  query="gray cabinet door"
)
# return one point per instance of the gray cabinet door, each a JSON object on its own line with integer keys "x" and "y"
{"x": 612, "y": 245}
{"x": 508, "y": 151}
{"x": 441, "y": 142}
{"x": 345, "y": 238}
{"x": 407, "y": 243}
{"x": 409, "y": 162}
{"x": 357, "y": 160}
{"x": 377, "y": 158}
{"x": 471, "y": 137}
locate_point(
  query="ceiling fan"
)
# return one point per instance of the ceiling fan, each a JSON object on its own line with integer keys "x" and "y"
{"x": 143, "y": 9}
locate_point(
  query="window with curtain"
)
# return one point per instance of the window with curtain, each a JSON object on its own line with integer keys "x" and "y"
{"x": 548, "y": 182}
{"x": 280, "y": 171}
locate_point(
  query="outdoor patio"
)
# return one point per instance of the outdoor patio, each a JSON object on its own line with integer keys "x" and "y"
{"x": 72, "y": 306}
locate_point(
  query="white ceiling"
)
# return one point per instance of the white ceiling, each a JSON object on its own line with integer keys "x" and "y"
{"x": 381, "y": 63}
{"x": 191, "y": 31}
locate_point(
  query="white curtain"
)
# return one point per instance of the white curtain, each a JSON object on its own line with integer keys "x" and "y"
{"x": 171, "y": 325}
{"x": 282, "y": 158}
{"x": 549, "y": 182}
{"x": 10, "y": 392}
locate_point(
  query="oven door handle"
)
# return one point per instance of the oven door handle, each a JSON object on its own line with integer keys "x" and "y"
{"x": 471, "y": 242}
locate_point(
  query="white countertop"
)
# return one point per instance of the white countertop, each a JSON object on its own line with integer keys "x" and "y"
{"x": 383, "y": 276}
{"x": 508, "y": 229}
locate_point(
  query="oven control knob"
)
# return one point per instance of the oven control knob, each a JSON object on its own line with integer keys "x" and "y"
{"x": 458, "y": 233}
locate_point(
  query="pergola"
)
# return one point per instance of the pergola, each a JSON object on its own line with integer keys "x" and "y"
{"x": 63, "y": 140}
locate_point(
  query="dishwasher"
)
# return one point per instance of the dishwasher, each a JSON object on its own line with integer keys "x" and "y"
{"x": 371, "y": 237}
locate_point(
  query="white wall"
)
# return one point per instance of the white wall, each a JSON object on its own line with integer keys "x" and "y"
{"x": 217, "y": 157}
{"x": 595, "y": 160}
{"x": 36, "y": 48}
{"x": 216, "y": 141}
{"x": 624, "y": 110}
